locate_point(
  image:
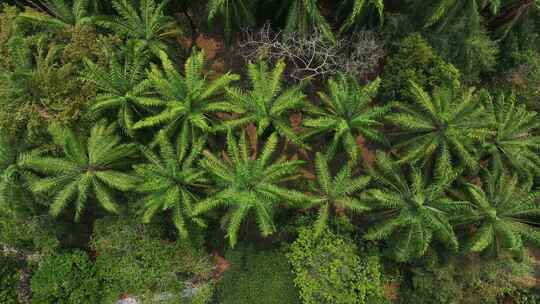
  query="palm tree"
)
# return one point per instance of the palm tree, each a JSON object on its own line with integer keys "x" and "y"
{"x": 122, "y": 85}
{"x": 267, "y": 103}
{"x": 85, "y": 166}
{"x": 360, "y": 9}
{"x": 246, "y": 183}
{"x": 337, "y": 193}
{"x": 237, "y": 12}
{"x": 186, "y": 102}
{"x": 505, "y": 214}
{"x": 59, "y": 15}
{"x": 303, "y": 17}
{"x": 171, "y": 181}
{"x": 416, "y": 211}
{"x": 347, "y": 113}
{"x": 148, "y": 27}
{"x": 443, "y": 127}
{"x": 513, "y": 143}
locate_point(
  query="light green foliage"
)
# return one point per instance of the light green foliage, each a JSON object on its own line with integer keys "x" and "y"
{"x": 416, "y": 213}
{"x": 304, "y": 16}
{"x": 87, "y": 167}
{"x": 59, "y": 15}
{"x": 505, "y": 213}
{"x": 514, "y": 143}
{"x": 415, "y": 60}
{"x": 186, "y": 100}
{"x": 122, "y": 84}
{"x": 255, "y": 276}
{"x": 66, "y": 278}
{"x": 171, "y": 181}
{"x": 329, "y": 270}
{"x": 348, "y": 112}
{"x": 13, "y": 195}
{"x": 234, "y": 13}
{"x": 440, "y": 128}
{"x": 465, "y": 280}
{"x": 132, "y": 258}
{"x": 267, "y": 103}
{"x": 146, "y": 26}
{"x": 29, "y": 233}
{"x": 335, "y": 193}
{"x": 9, "y": 280}
{"x": 249, "y": 184}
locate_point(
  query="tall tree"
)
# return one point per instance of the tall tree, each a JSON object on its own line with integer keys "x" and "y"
{"x": 88, "y": 169}
{"x": 416, "y": 210}
{"x": 348, "y": 112}
{"x": 267, "y": 103}
{"x": 171, "y": 181}
{"x": 186, "y": 101}
{"x": 247, "y": 183}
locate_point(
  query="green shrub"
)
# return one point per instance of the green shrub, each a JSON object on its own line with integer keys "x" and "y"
{"x": 132, "y": 258}
{"x": 415, "y": 60}
{"x": 8, "y": 280}
{"x": 65, "y": 279}
{"x": 262, "y": 277}
{"x": 329, "y": 270}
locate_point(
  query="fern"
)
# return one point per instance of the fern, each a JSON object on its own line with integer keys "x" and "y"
{"x": 267, "y": 103}
{"x": 513, "y": 144}
{"x": 337, "y": 193}
{"x": 348, "y": 113}
{"x": 443, "y": 127}
{"x": 84, "y": 167}
{"x": 416, "y": 211}
{"x": 122, "y": 85}
{"x": 171, "y": 181}
{"x": 235, "y": 13}
{"x": 247, "y": 184}
{"x": 148, "y": 26}
{"x": 360, "y": 9}
{"x": 59, "y": 15}
{"x": 505, "y": 214}
{"x": 303, "y": 17}
{"x": 186, "y": 102}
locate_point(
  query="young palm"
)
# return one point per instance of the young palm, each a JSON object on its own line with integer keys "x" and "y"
{"x": 186, "y": 102}
{"x": 59, "y": 15}
{"x": 236, "y": 13}
{"x": 513, "y": 143}
{"x": 506, "y": 214}
{"x": 348, "y": 113}
{"x": 171, "y": 181}
{"x": 147, "y": 26}
{"x": 266, "y": 104}
{"x": 416, "y": 211}
{"x": 13, "y": 186}
{"x": 84, "y": 167}
{"x": 122, "y": 85}
{"x": 303, "y": 17}
{"x": 246, "y": 183}
{"x": 337, "y": 193}
{"x": 444, "y": 127}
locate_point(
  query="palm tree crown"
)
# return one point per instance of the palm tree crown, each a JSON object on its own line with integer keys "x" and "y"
{"x": 171, "y": 181}
{"x": 247, "y": 183}
{"x": 83, "y": 167}
{"x": 59, "y": 14}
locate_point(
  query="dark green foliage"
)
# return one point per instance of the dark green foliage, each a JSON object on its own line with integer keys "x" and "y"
{"x": 416, "y": 211}
{"x": 267, "y": 103}
{"x": 337, "y": 193}
{"x": 234, "y": 13}
{"x": 465, "y": 280}
{"x": 87, "y": 171}
{"x": 304, "y": 16}
{"x": 66, "y": 278}
{"x": 360, "y": 10}
{"x": 187, "y": 100}
{"x": 440, "y": 128}
{"x": 171, "y": 182}
{"x": 415, "y": 60}
{"x": 9, "y": 280}
{"x": 255, "y": 276}
{"x": 505, "y": 215}
{"x": 60, "y": 15}
{"x": 329, "y": 270}
{"x": 132, "y": 258}
{"x": 347, "y": 113}
{"x": 249, "y": 184}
